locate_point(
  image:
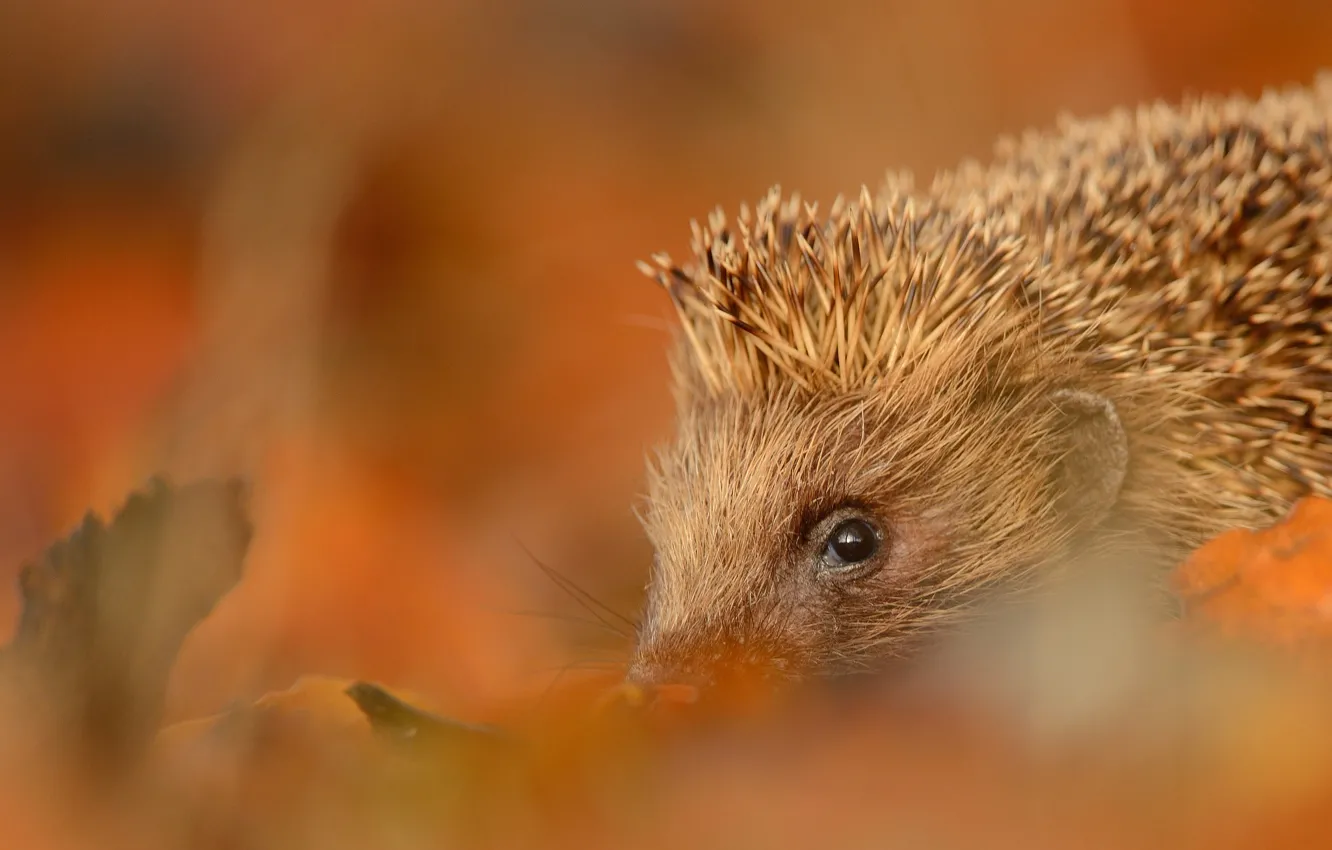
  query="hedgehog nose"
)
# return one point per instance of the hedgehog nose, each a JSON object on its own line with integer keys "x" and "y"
{"x": 640, "y": 696}
{"x": 680, "y": 683}
{"x": 652, "y": 677}
{"x": 647, "y": 687}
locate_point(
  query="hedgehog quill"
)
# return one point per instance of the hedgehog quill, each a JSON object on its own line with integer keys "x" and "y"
{"x": 1115, "y": 334}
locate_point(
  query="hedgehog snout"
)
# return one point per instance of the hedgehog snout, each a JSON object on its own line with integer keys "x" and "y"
{"x": 711, "y": 668}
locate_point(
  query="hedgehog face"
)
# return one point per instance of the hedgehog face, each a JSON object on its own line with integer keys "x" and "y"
{"x": 876, "y": 428}
{"x": 801, "y": 534}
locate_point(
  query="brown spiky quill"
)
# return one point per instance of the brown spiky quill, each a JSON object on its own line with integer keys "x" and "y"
{"x": 904, "y": 357}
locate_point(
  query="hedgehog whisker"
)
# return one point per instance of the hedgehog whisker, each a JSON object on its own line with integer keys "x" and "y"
{"x": 652, "y": 323}
{"x": 564, "y": 669}
{"x": 589, "y": 602}
{"x": 569, "y": 618}
{"x": 585, "y": 664}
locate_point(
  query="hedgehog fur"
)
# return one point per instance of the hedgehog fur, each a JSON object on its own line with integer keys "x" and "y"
{"x": 903, "y": 356}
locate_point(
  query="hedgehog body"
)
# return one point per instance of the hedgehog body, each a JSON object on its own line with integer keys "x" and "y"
{"x": 1116, "y": 332}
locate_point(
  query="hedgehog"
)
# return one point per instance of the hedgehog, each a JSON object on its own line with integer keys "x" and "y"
{"x": 1113, "y": 337}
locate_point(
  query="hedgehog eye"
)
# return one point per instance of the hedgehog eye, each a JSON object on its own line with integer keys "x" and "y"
{"x": 851, "y": 542}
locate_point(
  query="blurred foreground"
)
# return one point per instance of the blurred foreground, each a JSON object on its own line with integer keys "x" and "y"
{"x": 1079, "y": 722}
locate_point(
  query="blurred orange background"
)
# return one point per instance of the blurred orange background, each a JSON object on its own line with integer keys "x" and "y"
{"x": 379, "y": 256}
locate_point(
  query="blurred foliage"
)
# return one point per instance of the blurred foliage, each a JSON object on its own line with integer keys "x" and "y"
{"x": 1213, "y": 735}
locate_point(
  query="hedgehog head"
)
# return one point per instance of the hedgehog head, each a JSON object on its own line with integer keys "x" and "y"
{"x": 873, "y": 431}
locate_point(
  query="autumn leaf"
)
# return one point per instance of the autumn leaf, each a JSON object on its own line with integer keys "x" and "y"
{"x": 1273, "y": 585}
{"x": 106, "y": 610}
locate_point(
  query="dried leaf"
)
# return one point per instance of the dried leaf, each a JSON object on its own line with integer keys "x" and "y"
{"x": 106, "y": 610}
{"x": 398, "y": 721}
{"x": 1274, "y": 585}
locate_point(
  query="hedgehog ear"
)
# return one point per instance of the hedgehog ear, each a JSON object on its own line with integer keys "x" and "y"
{"x": 1096, "y": 457}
